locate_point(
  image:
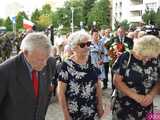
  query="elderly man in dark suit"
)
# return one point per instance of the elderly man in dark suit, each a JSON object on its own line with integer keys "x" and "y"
{"x": 25, "y": 80}
{"x": 119, "y": 44}
{"x": 122, "y": 38}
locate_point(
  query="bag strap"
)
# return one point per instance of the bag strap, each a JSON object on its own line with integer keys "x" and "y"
{"x": 129, "y": 59}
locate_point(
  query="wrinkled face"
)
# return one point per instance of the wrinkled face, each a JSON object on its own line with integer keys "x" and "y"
{"x": 120, "y": 32}
{"x": 37, "y": 59}
{"x": 83, "y": 47}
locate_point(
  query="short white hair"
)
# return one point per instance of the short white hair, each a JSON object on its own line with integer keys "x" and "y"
{"x": 77, "y": 37}
{"x": 36, "y": 40}
{"x": 147, "y": 45}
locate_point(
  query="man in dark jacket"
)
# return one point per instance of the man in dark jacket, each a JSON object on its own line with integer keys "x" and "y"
{"x": 119, "y": 44}
{"x": 25, "y": 80}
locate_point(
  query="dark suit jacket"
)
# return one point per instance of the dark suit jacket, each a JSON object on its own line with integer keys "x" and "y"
{"x": 127, "y": 40}
{"x": 17, "y": 100}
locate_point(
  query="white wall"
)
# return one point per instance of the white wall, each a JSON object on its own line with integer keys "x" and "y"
{"x": 131, "y": 10}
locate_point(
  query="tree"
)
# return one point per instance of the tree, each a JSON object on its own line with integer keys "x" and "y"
{"x": 149, "y": 16}
{"x": 8, "y": 24}
{"x": 64, "y": 15}
{"x": 45, "y": 18}
{"x": 78, "y": 11}
{"x": 46, "y": 9}
{"x": 157, "y": 19}
{"x": 100, "y": 13}
{"x": 44, "y": 22}
{"x": 19, "y": 19}
{"x": 35, "y": 16}
{"x": 125, "y": 24}
{"x": 88, "y": 4}
{"x": 1, "y": 22}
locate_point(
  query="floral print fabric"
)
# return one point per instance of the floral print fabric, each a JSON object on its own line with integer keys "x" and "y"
{"x": 138, "y": 76}
{"x": 81, "y": 89}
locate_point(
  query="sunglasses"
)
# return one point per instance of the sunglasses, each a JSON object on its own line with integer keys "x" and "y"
{"x": 82, "y": 45}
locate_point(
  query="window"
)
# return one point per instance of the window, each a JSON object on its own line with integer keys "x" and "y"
{"x": 151, "y": 6}
{"x": 120, "y": 4}
{"x": 120, "y": 14}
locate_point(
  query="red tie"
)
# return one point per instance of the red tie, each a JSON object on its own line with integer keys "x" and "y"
{"x": 35, "y": 82}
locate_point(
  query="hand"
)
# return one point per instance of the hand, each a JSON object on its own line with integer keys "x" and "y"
{"x": 100, "y": 110}
{"x": 107, "y": 110}
{"x": 100, "y": 62}
{"x": 139, "y": 98}
{"x": 67, "y": 117}
{"x": 148, "y": 99}
{"x": 100, "y": 113}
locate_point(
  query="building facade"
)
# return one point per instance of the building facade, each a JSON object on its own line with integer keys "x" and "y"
{"x": 131, "y": 10}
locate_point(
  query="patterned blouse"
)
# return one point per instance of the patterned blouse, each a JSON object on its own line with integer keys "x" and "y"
{"x": 81, "y": 89}
{"x": 138, "y": 76}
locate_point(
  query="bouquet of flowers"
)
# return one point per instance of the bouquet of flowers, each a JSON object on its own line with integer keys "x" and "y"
{"x": 116, "y": 50}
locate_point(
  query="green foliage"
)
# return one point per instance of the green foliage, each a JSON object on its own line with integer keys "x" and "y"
{"x": 63, "y": 17}
{"x": 44, "y": 21}
{"x": 88, "y": 4}
{"x": 44, "y": 18}
{"x": 125, "y": 24}
{"x": 157, "y": 19}
{"x": 149, "y": 16}
{"x": 19, "y": 19}
{"x": 100, "y": 13}
{"x": 8, "y": 24}
{"x": 1, "y": 22}
{"x": 35, "y": 16}
{"x": 86, "y": 11}
{"x": 46, "y": 9}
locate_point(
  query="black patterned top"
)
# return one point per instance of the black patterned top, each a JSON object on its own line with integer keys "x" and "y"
{"x": 138, "y": 76}
{"x": 81, "y": 89}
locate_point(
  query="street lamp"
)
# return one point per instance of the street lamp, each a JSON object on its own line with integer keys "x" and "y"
{"x": 72, "y": 24}
{"x": 94, "y": 24}
{"x": 81, "y": 25}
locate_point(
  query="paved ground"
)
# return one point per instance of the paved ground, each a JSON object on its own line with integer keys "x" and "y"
{"x": 54, "y": 112}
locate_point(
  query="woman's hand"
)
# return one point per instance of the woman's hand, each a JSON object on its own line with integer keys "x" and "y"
{"x": 148, "y": 99}
{"x": 100, "y": 62}
{"x": 139, "y": 98}
{"x": 107, "y": 110}
{"x": 67, "y": 117}
{"x": 100, "y": 112}
{"x": 144, "y": 100}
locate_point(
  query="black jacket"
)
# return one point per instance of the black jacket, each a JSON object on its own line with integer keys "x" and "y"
{"x": 17, "y": 100}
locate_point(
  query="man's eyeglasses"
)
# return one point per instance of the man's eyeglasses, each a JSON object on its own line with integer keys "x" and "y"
{"x": 82, "y": 45}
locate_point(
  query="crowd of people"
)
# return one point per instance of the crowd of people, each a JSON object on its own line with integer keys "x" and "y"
{"x": 77, "y": 69}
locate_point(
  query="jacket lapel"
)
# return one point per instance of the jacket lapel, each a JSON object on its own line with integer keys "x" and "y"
{"x": 24, "y": 76}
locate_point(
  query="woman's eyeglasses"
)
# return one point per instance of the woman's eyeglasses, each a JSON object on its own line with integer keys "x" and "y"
{"x": 82, "y": 45}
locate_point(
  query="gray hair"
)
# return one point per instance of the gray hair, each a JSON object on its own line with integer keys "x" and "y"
{"x": 77, "y": 37}
{"x": 148, "y": 45}
{"x": 36, "y": 40}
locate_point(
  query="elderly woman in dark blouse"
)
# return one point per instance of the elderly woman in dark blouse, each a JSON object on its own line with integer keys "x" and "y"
{"x": 136, "y": 77}
{"x": 79, "y": 89}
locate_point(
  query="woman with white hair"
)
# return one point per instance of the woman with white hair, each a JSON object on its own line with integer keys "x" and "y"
{"x": 79, "y": 89}
{"x": 136, "y": 78}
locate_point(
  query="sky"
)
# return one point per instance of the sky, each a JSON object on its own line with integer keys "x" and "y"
{"x": 12, "y": 7}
